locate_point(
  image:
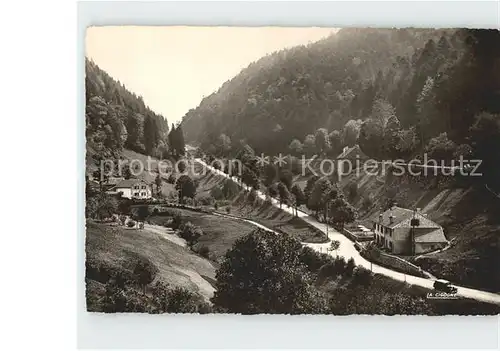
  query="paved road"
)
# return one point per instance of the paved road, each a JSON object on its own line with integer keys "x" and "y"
{"x": 348, "y": 250}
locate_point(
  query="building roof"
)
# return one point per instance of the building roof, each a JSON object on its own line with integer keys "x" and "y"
{"x": 128, "y": 183}
{"x": 402, "y": 218}
{"x": 429, "y": 235}
{"x": 352, "y": 152}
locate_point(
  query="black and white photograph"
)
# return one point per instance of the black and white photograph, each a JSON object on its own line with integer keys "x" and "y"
{"x": 292, "y": 170}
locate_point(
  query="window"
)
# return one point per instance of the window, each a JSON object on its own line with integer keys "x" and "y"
{"x": 136, "y": 186}
{"x": 136, "y": 194}
{"x": 143, "y": 187}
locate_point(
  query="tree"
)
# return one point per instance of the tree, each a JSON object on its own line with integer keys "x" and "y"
{"x": 341, "y": 212}
{"x": 441, "y": 148}
{"x": 335, "y": 138}
{"x": 142, "y": 213}
{"x": 350, "y": 133}
{"x": 299, "y": 197}
{"x": 272, "y": 190}
{"x": 126, "y": 172}
{"x": 223, "y": 144}
{"x": 250, "y": 178}
{"x": 349, "y": 267}
{"x": 371, "y": 136}
{"x": 263, "y": 273}
{"x": 334, "y": 246}
{"x": 309, "y": 187}
{"x": 286, "y": 177}
{"x": 321, "y": 193}
{"x": 185, "y": 187}
{"x": 322, "y": 141}
{"x": 101, "y": 206}
{"x": 296, "y": 147}
{"x": 158, "y": 182}
{"x": 284, "y": 194}
{"x": 309, "y": 145}
{"x": 270, "y": 174}
{"x": 485, "y": 141}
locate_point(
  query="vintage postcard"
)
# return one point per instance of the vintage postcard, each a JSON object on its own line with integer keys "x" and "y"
{"x": 273, "y": 170}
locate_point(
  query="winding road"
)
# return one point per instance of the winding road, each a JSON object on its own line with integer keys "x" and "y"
{"x": 347, "y": 249}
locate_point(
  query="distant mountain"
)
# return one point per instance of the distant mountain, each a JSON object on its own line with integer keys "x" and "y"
{"x": 433, "y": 80}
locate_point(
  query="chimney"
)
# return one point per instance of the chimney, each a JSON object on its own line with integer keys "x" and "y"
{"x": 391, "y": 218}
{"x": 380, "y": 216}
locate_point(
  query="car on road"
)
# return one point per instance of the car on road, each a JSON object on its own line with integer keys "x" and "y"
{"x": 444, "y": 286}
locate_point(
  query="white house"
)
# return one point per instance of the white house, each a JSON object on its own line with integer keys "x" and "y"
{"x": 406, "y": 232}
{"x": 133, "y": 189}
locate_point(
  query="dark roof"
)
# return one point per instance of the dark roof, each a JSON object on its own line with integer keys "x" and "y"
{"x": 128, "y": 183}
{"x": 352, "y": 152}
{"x": 402, "y": 218}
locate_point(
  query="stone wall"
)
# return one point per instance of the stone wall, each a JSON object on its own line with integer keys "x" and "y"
{"x": 373, "y": 254}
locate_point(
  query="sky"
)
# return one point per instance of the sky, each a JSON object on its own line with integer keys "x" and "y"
{"x": 173, "y": 68}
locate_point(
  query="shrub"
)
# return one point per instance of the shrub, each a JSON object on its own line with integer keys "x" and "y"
{"x": 362, "y": 276}
{"x": 228, "y": 209}
{"x": 340, "y": 264}
{"x": 204, "y": 251}
{"x": 122, "y": 219}
{"x": 217, "y": 193}
{"x": 144, "y": 272}
{"x": 252, "y": 196}
{"x": 314, "y": 260}
{"x": 131, "y": 224}
{"x": 216, "y": 206}
{"x": 190, "y": 233}
{"x": 206, "y": 200}
{"x": 349, "y": 267}
{"x": 176, "y": 221}
{"x": 367, "y": 202}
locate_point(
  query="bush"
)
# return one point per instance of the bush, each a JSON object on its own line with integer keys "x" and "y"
{"x": 144, "y": 272}
{"x": 206, "y": 200}
{"x": 122, "y": 219}
{"x": 190, "y": 233}
{"x": 349, "y": 267}
{"x": 252, "y": 196}
{"x": 367, "y": 202}
{"x": 362, "y": 276}
{"x": 228, "y": 209}
{"x": 216, "y": 206}
{"x": 176, "y": 221}
{"x": 314, "y": 260}
{"x": 204, "y": 251}
{"x": 217, "y": 193}
{"x": 131, "y": 224}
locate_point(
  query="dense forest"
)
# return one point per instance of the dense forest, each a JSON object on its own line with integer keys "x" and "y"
{"x": 395, "y": 92}
{"x": 117, "y": 118}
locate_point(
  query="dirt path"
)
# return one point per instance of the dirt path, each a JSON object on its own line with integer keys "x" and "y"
{"x": 166, "y": 233}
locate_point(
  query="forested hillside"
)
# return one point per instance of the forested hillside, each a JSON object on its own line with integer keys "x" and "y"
{"x": 396, "y": 92}
{"x": 117, "y": 118}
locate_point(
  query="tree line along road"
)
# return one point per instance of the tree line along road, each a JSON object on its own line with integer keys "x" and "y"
{"x": 347, "y": 249}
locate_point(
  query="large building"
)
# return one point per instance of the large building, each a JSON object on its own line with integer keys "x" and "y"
{"x": 133, "y": 189}
{"x": 407, "y": 232}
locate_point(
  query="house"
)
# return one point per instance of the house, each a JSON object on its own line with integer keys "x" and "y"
{"x": 133, "y": 189}
{"x": 353, "y": 155}
{"x": 407, "y": 232}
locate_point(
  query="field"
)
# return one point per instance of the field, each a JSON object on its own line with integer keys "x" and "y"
{"x": 219, "y": 234}
{"x": 113, "y": 248}
{"x": 277, "y": 219}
